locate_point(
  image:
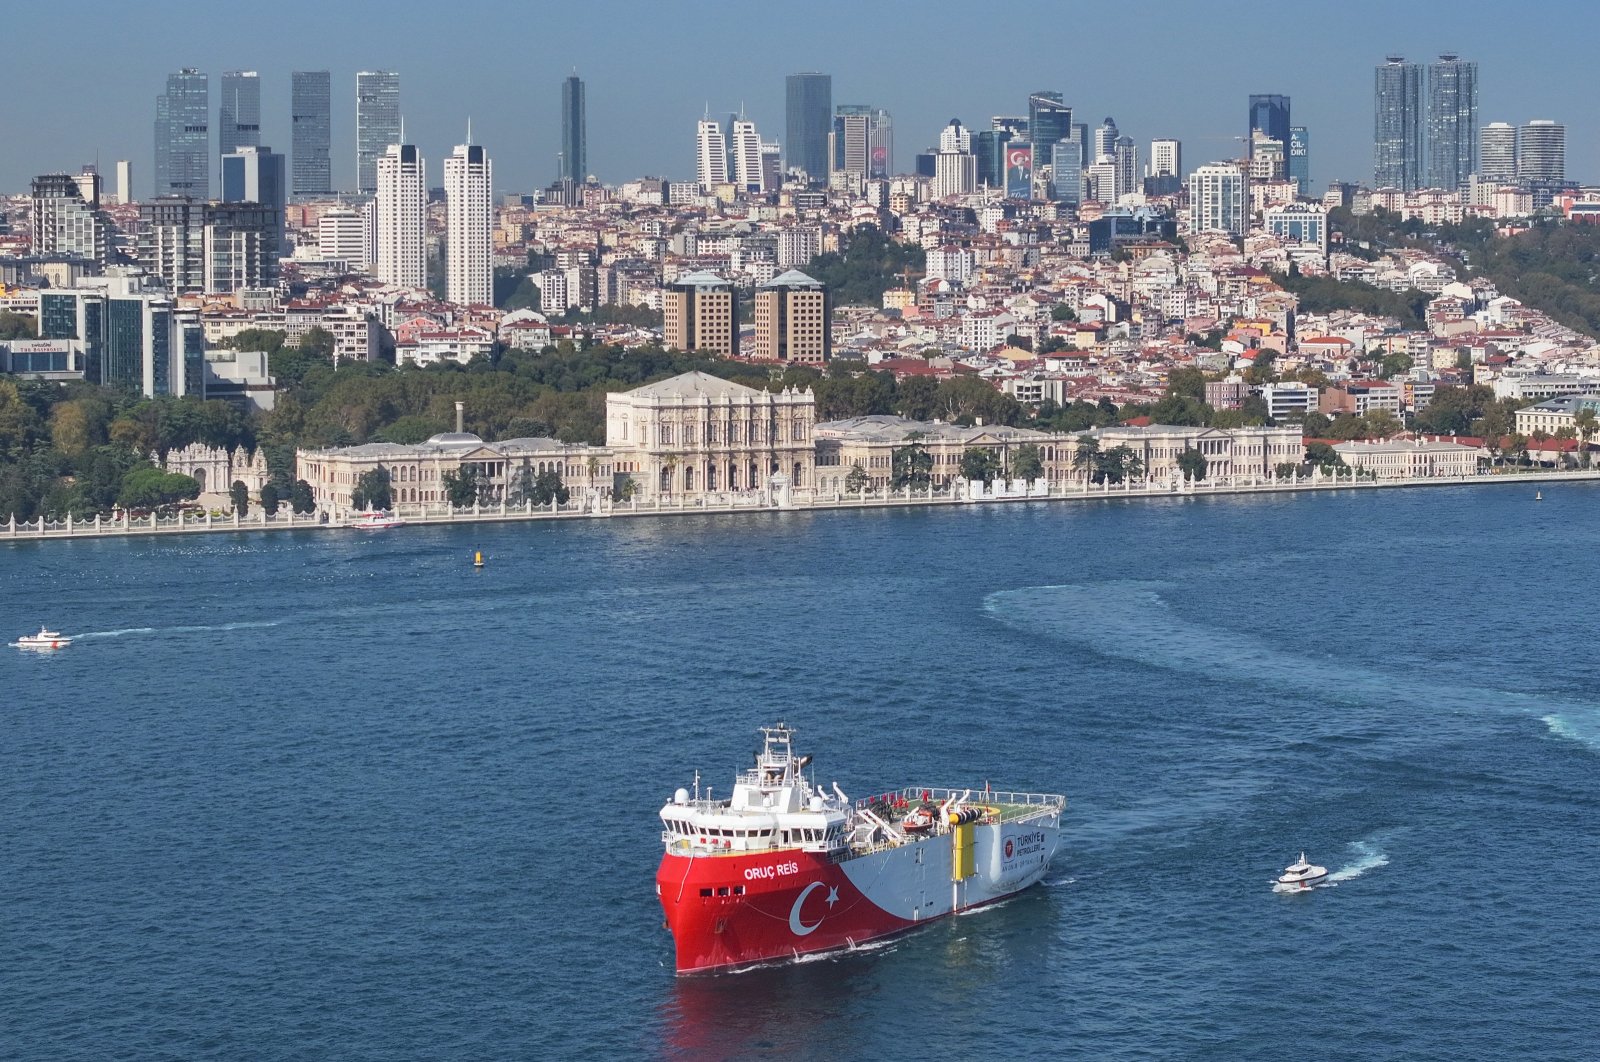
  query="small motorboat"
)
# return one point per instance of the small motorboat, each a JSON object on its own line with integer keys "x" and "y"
{"x": 374, "y": 521}
{"x": 45, "y": 639}
{"x": 917, "y": 819}
{"x": 1300, "y": 875}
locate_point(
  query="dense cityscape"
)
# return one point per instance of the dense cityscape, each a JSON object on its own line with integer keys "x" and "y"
{"x": 1037, "y": 299}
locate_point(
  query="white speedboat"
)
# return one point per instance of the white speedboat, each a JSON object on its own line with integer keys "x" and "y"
{"x": 45, "y": 639}
{"x": 1300, "y": 875}
{"x": 374, "y": 521}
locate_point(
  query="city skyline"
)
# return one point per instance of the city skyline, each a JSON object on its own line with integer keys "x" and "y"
{"x": 104, "y": 89}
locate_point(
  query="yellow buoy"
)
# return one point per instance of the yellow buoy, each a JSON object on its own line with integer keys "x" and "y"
{"x": 477, "y": 558}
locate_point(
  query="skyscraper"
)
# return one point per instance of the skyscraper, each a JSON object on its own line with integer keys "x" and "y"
{"x": 1126, "y": 155}
{"x": 808, "y": 118}
{"x": 744, "y": 167}
{"x": 710, "y": 155}
{"x": 1397, "y": 125}
{"x": 574, "y": 131}
{"x": 850, "y": 142}
{"x": 1498, "y": 152}
{"x": 1066, "y": 171}
{"x": 255, "y": 175}
{"x": 1542, "y": 152}
{"x": 377, "y": 124}
{"x": 401, "y": 207}
{"x": 880, "y": 148}
{"x": 239, "y": 111}
{"x": 183, "y": 137}
{"x": 1300, "y": 158}
{"x": 1105, "y": 139}
{"x": 1452, "y": 122}
{"x": 1049, "y": 120}
{"x": 1166, "y": 158}
{"x": 469, "y": 231}
{"x": 311, "y": 116}
{"x": 1269, "y": 114}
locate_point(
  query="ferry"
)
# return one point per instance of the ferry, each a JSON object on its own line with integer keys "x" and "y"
{"x": 783, "y": 869}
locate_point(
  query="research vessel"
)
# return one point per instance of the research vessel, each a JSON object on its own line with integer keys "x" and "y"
{"x": 781, "y": 868}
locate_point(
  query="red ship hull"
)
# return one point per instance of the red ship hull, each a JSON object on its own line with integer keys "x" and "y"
{"x": 729, "y": 911}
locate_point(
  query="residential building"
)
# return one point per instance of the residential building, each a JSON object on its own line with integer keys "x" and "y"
{"x": 1497, "y": 153}
{"x": 172, "y": 242}
{"x": 1166, "y": 158}
{"x": 1452, "y": 121}
{"x": 955, "y": 173}
{"x": 710, "y": 155}
{"x": 744, "y": 163}
{"x": 377, "y": 124}
{"x": 239, "y": 111}
{"x": 401, "y": 205}
{"x": 1288, "y": 399}
{"x": 808, "y": 118}
{"x": 341, "y": 236}
{"x": 311, "y": 132}
{"x": 241, "y": 242}
{"x": 574, "y": 131}
{"x": 1360, "y": 397}
{"x": 183, "y": 137}
{"x": 1542, "y": 152}
{"x": 124, "y": 181}
{"x": 1397, "y": 128}
{"x": 67, "y": 218}
{"x": 469, "y": 224}
{"x": 1219, "y": 199}
{"x": 700, "y": 313}
{"x": 793, "y": 320}
{"x": 798, "y": 245}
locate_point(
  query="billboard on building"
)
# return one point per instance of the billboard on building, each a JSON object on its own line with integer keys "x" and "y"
{"x": 1019, "y": 170}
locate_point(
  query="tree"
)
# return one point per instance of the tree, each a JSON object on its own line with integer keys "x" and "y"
{"x": 1315, "y": 425}
{"x": 1381, "y": 424}
{"x": 911, "y": 465}
{"x": 148, "y": 487}
{"x": 1117, "y": 464}
{"x": 625, "y": 491}
{"x": 1187, "y": 381}
{"x": 1181, "y": 409}
{"x": 1026, "y": 464}
{"x": 301, "y": 498}
{"x": 855, "y": 481}
{"x": 1062, "y": 312}
{"x": 548, "y": 487}
{"x": 1320, "y": 453}
{"x": 269, "y": 498}
{"x": 17, "y": 326}
{"x": 1086, "y": 458}
{"x": 1192, "y": 463}
{"x": 241, "y": 497}
{"x": 1585, "y": 423}
{"x": 979, "y": 463}
{"x": 462, "y": 487}
{"x": 372, "y": 490}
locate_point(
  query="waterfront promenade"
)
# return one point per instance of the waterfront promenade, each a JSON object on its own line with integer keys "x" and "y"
{"x": 590, "y": 508}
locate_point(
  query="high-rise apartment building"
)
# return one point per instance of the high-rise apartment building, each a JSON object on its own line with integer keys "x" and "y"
{"x": 341, "y": 236}
{"x": 954, "y": 173}
{"x": 1219, "y": 199}
{"x": 1166, "y": 158}
{"x": 401, "y": 209}
{"x": 1542, "y": 152}
{"x": 698, "y": 313}
{"x": 213, "y": 248}
{"x": 183, "y": 135}
{"x": 377, "y": 123}
{"x": 1497, "y": 153}
{"x": 66, "y": 216}
{"x": 239, "y": 111}
{"x": 1452, "y": 122}
{"x": 311, "y": 141}
{"x": 1269, "y": 114}
{"x": 808, "y": 118}
{"x": 574, "y": 131}
{"x": 793, "y": 320}
{"x": 1049, "y": 120}
{"x": 256, "y": 175}
{"x": 469, "y": 226}
{"x": 1397, "y": 125}
{"x": 744, "y": 163}
{"x": 172, "y": 242}
{"x": 710, "y": 155}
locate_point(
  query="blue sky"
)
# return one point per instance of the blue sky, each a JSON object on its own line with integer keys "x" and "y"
{"x": 1160, "y": 68}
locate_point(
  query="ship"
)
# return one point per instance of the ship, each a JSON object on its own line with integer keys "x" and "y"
{"x": 782, "y": 869}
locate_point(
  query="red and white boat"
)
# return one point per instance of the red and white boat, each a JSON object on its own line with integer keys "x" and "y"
{"x": 781, "y": 869}
{"x": 374, "y": 520}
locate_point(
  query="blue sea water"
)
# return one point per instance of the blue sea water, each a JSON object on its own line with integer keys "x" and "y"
{"x": 341, "y": 796}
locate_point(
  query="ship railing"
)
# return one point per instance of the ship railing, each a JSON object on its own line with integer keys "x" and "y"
{"x": 1011, "y": 804}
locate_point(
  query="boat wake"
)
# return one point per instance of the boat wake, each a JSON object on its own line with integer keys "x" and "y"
{"x": 1367, "y": 858}
{"x": 1585, "y": 731}
{"x": 189, "y": 629}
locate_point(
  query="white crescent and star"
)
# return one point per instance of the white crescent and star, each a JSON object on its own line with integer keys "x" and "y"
{"x": 799, "y": 928}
